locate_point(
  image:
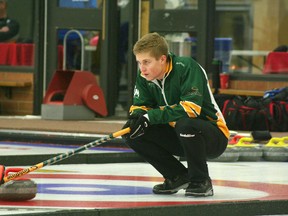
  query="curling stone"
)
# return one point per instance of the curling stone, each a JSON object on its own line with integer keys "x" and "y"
{"x": 231, "y": 154}
{"x": 234, "y": 140}
{"x": 276, "y": 149}
{"x": 249, "y": 151}
{"x": 21, "y": 189}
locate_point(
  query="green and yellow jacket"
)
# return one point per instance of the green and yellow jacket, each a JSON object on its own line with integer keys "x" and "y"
{"x": 184, "y": 91}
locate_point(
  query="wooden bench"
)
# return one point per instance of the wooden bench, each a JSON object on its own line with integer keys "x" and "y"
{"x": 9, "y": 84}
{"x": 241, "y": 92}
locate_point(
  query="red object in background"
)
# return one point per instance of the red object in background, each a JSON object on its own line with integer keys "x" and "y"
{"x": 276, "y": 62}
{"x": 16, "y": 54}
{"x": 4, "y": 50}
{"x": 26, "y": 52}
{"x": 94, "y": 41}
{"x": 93, "y": 98}
{"x": 60, "y": 56}
{"x": 74, "y": 87}
{"x": 224, "y": 81}
{"x": 13, "y": 54}
{"x": 235, "y": 139}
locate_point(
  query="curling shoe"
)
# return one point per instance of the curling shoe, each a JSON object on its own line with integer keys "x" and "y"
{"x": 200, "y": 189}
{"x": 171, "y": 186}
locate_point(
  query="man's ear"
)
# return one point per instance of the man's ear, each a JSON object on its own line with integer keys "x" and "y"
{"x": 163, "y": 58}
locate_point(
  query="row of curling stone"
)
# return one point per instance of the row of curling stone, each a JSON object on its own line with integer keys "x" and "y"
{"x": 20, "y": 189}
{"x": 276, "y": 149}
{"x": 243, "y": 149}
{"x": 240, "y": 148}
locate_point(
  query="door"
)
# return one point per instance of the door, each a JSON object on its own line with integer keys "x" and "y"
{"x": 91, "y": 46}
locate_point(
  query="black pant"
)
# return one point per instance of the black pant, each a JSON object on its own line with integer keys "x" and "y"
{"x": 194, "y": 139}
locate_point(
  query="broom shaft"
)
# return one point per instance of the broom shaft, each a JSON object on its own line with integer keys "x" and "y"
{"x": 66, "y": 155}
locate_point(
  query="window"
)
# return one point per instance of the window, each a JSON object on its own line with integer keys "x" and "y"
{"x": 245, "y": 32}
{"x": 78, "y": 3}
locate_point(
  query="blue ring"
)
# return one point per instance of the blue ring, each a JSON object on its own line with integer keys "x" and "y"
{"x": 104, "y": 189}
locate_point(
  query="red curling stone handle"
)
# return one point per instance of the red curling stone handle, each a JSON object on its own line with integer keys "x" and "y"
{"x": 14, "y": 170}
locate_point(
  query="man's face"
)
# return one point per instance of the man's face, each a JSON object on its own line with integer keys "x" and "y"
{"x": 150, "y": 67}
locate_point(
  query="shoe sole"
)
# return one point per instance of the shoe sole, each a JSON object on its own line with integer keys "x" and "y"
{"x": 208, "y": 193}
{"x": 184, "y": 186}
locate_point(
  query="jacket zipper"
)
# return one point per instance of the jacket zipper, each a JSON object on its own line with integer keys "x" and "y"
{"x": 162, "y": 89}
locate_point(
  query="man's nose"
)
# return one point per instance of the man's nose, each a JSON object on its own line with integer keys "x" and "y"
{"x": 142, "y": 68}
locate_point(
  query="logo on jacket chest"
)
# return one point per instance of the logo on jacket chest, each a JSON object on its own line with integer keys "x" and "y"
{"x": 194, "y": 91}
{"x": 136, "y": 93}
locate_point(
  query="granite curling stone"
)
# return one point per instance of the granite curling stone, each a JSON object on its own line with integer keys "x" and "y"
{"x": 231, "y": 154}
{"x": 249, "y": 151}
{"x": 276, "y": 150}
{"x": 19, "y": 189}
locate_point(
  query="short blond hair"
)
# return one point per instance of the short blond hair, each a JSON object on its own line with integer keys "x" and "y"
{"x": 153, "y": 43}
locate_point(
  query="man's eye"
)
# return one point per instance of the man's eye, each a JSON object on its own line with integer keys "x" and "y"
{"x": 144, "y": 63}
